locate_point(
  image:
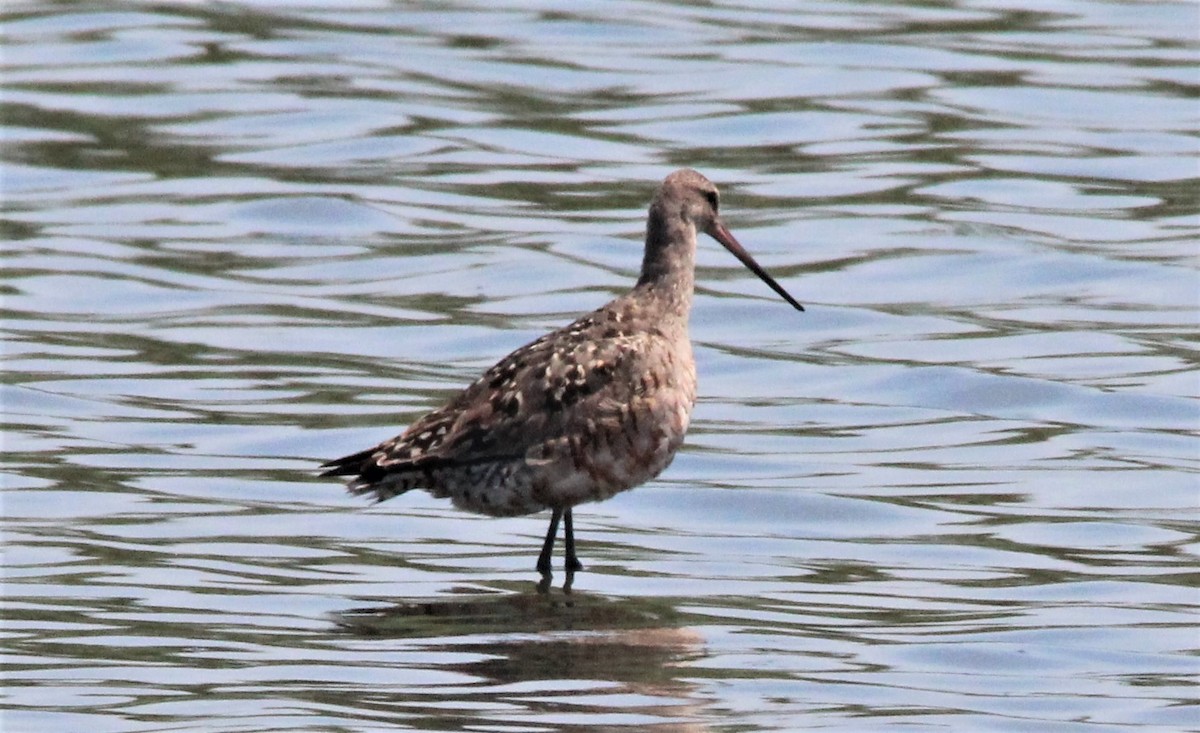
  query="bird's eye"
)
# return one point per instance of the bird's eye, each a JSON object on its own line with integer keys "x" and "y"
{"x": 711, "y": 197}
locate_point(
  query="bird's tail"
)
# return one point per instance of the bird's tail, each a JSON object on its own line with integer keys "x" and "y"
{"x": 351, "y": 465}
{"x": 369, "y": 478}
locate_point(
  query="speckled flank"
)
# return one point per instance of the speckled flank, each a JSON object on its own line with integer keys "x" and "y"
{"x": 582, "y": 413}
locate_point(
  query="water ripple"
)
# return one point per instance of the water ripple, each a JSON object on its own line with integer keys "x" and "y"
{"x": 243, "y": 238}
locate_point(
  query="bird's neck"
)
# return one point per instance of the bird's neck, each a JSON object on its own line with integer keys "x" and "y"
{"x": 669, "y": 268}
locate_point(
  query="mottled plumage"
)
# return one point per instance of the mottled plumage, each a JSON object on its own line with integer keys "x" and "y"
{"x": 582, "y": 413}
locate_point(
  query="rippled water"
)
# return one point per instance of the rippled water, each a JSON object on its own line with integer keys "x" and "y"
{"x": 959, "y": 493}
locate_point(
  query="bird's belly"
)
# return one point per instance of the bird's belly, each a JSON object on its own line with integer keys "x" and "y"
{"x": 607, "y": 457}
{"x": 525, "y": 487}
{"x": 600, "y": 458}
{"x": 498, "y": 489}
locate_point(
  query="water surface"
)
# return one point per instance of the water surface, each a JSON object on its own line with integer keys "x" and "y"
{"x": 958, "y": 493}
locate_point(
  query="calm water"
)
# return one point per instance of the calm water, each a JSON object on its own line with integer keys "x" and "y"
{"x": 959, "y": 493}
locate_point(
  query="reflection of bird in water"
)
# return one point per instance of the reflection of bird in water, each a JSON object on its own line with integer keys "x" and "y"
{"x": 577, "y": 654}
{"x": 582, "y": 413}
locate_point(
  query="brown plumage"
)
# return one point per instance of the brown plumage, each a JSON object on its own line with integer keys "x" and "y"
{"x": 582, "y": 413}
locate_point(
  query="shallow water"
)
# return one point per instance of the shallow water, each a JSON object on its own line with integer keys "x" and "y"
{"x": 958, "y": 493}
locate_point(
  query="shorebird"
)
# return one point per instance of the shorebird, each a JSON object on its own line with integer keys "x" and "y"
{"x": 592, "y": 409}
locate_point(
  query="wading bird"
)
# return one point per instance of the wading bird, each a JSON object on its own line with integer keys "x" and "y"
{"x": 582, "y": 413}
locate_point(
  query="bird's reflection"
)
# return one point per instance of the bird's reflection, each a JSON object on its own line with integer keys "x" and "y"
{"x": 503, "y": 611}
{"x": 624, "y": 654}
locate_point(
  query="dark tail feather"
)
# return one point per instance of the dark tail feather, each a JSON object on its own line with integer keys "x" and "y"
{"x": 369, "y": 478}
{"x": 351, "y": 465}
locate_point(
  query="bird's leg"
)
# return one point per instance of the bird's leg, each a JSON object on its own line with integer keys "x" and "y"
{"x": 546, "y": 558}
{"x": 573, "y": 563}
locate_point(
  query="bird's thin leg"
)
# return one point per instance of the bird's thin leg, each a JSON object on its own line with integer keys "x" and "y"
{"x": 573, "y": 563}
{"x": 545, "y": 559}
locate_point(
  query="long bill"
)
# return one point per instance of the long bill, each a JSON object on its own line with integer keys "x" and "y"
{"x": 717, "y": 231}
